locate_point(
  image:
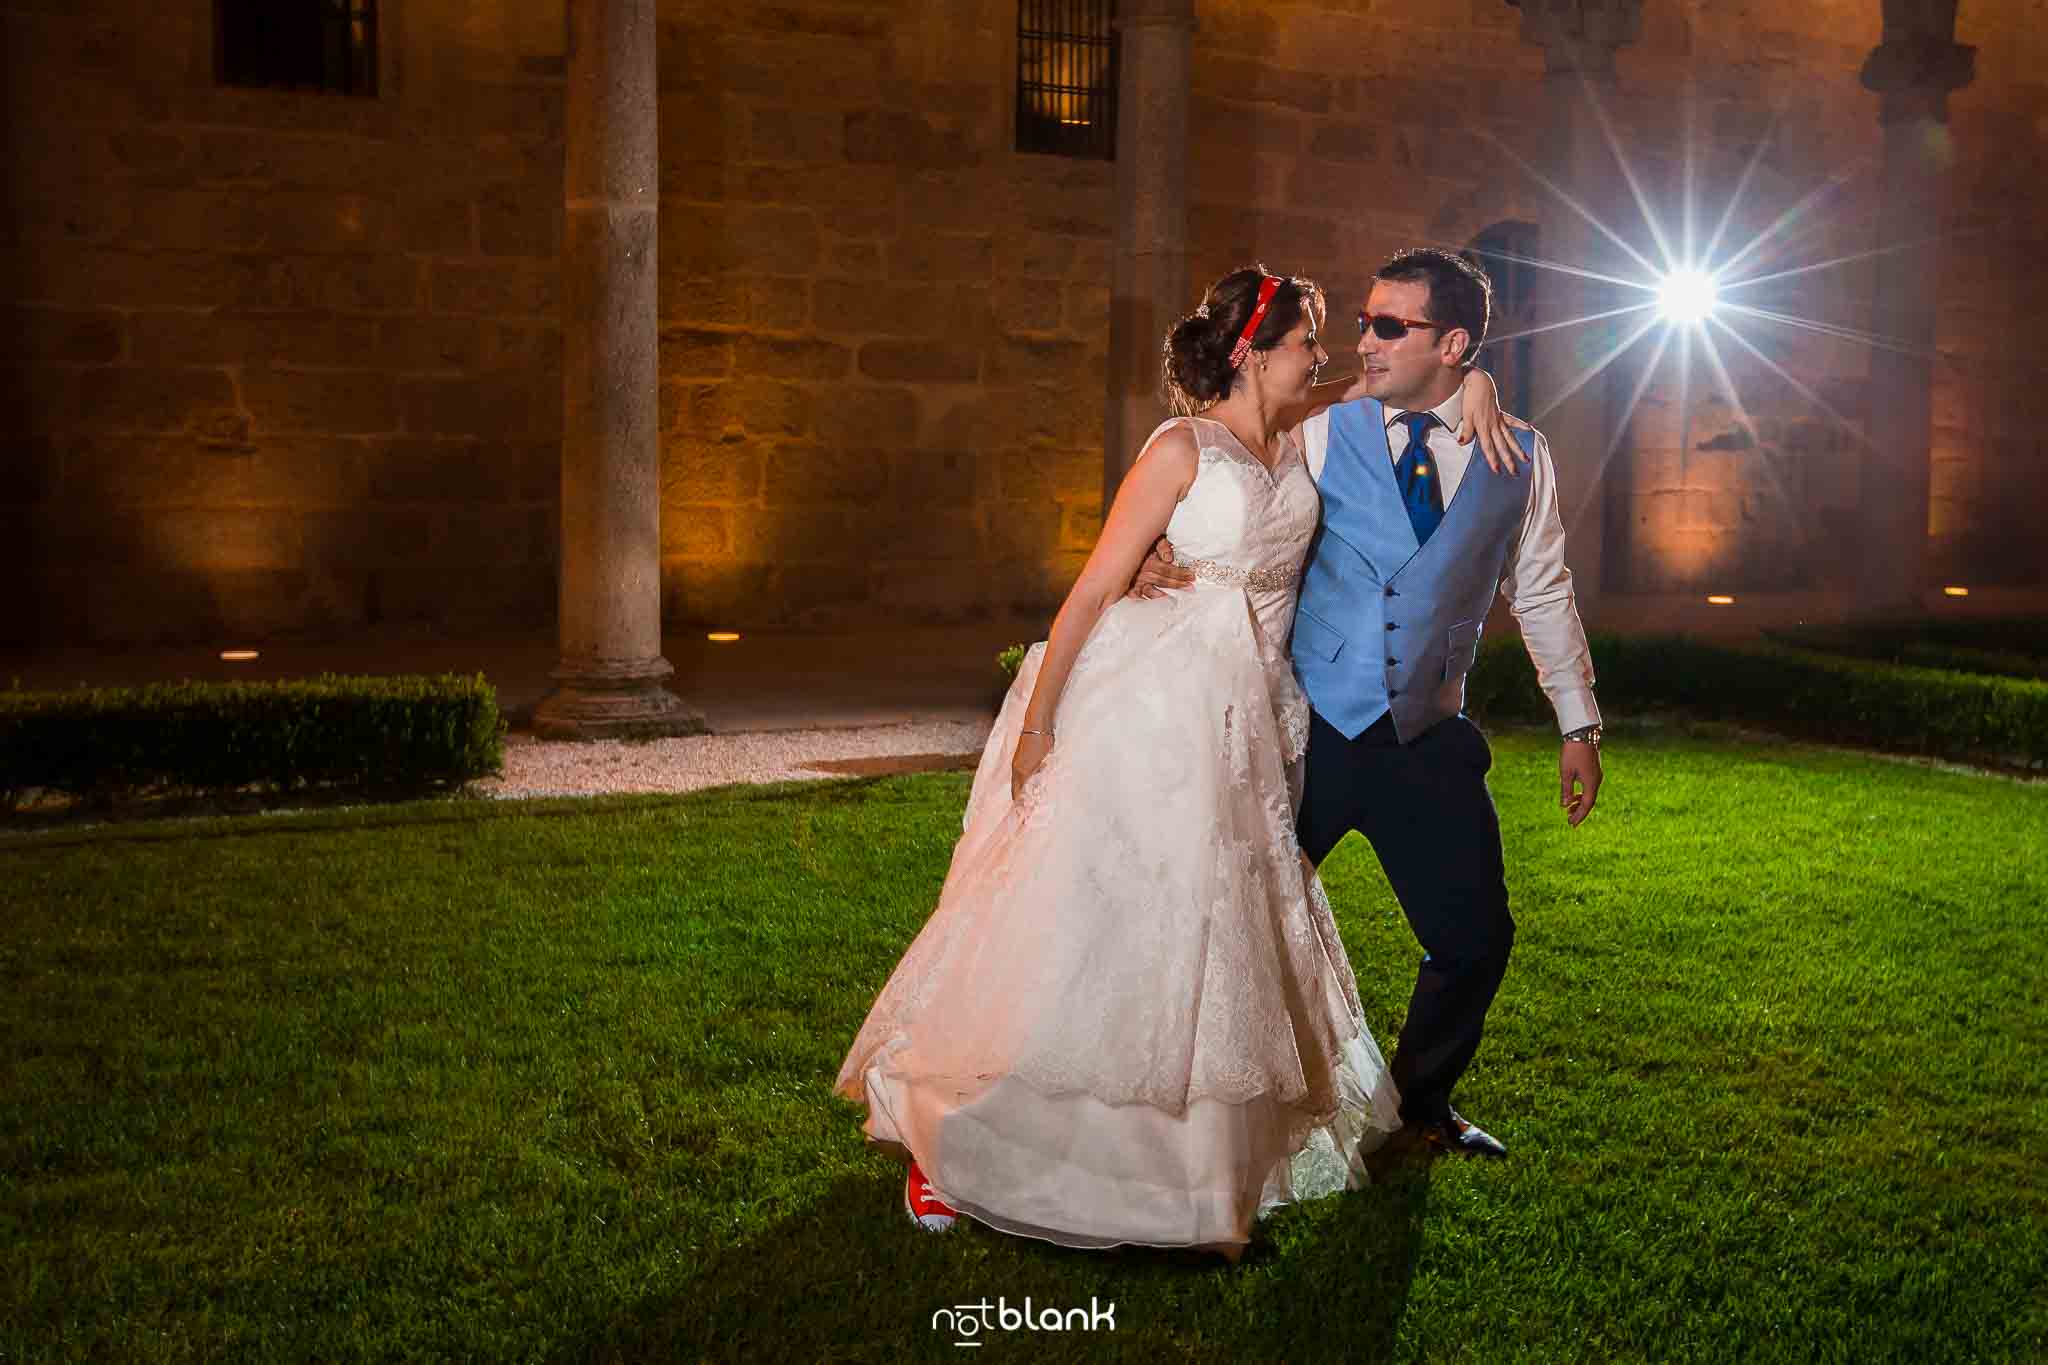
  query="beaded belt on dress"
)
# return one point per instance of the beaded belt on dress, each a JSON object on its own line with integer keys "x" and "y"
{"x": 1265, "y": 580}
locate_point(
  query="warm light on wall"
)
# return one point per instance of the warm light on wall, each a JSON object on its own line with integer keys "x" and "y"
{"x": 1056, "y": 83}
{"x": 238, "y": 656}
{"x": 1066, "y": 75}
{"x": 1721, "y": 599}
{"x": 1953, "y": 591}
{"x": 723, "y": 637}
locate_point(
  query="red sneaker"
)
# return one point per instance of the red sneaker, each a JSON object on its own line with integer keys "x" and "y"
{"x": 925, "y": 1208}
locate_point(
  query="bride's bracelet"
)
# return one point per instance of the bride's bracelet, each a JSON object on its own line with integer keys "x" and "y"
{"x": 1045, "y": 733}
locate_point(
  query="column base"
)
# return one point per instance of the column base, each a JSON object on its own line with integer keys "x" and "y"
{"x": 615, "y": 699}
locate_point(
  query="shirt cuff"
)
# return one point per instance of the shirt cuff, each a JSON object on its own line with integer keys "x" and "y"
{"x": 1575, "y": 708}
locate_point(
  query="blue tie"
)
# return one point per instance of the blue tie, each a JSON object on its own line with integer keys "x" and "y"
{"x": 1416, "y": 473}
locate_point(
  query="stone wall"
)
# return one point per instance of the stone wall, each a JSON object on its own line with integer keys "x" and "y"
{"x": 1990, "y": 456}
{"x": 1764, "y": 495}
{"x": 290, "y": 363}
{"x": 1737, "y": 478}
{"x": 1321, "y": 149}
{"x": 884, "y": 331}
{"x": 286, "y": 363}
{"x": 277, "y": 362}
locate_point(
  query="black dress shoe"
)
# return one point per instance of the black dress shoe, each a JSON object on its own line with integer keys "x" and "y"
{"x": 1451, "y": 1133}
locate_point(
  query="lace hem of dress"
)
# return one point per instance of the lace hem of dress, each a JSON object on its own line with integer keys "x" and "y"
{"x": 1192, "y": 702}
{"x": 1292, "y": 715}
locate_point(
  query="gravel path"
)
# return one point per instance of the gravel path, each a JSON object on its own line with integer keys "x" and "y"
{"x": 540, "y": 768}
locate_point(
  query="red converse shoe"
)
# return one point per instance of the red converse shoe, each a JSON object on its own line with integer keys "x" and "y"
{"x": 924, "y": 1207}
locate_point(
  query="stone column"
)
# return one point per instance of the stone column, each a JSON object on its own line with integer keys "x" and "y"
{"x": 1579, "y": 39}
{"x": 609, "y": 681}
{"x": 1912, "y": 70}
{"x": 1148, "y": 271}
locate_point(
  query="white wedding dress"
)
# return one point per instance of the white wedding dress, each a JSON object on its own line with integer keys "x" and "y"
{"x": 1128, "y": 1020}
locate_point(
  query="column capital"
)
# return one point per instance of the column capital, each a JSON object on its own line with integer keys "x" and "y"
{"x": 1580, "y": 36}
{"x": 1918, "y": 62}
{"x": 1156, "y": 14}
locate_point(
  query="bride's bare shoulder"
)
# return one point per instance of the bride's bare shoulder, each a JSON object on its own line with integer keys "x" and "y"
{"x": 1173, "y": 443}
{"x": 1171, "y": 457}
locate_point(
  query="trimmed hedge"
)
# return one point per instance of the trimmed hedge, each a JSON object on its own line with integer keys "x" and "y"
{"x": 1822, "y": 697}
{"x": 396, "y": 734}
{"x": 1956, "y": 659}
{"x": 2011, "y": 647}
{"x": 2026, "y": 635}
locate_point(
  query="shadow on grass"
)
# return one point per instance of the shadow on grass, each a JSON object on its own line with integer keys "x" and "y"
{"x": 273, "y": 815}
{"x": 847, "y": 1279}
{"x": 204, "y": 825}
{"x": 59, "y": 811}
{"x": 824, "y": 790}
{"x": 207, "y": 818}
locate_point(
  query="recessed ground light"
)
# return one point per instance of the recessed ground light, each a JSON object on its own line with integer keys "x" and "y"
{"x": 723, "y": 637}
{"x": 1721, "y": 599}
{"x": 238, "y": 656}
{"x": 1954, "y": 591}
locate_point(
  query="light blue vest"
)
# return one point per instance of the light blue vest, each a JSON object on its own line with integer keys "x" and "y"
{"x": 1383, "y": 625}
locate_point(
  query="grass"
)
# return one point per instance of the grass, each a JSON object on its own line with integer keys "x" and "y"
{"x": 551, "y": 1083}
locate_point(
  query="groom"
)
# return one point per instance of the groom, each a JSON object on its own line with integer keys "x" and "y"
{"x": 1416, "y": 537}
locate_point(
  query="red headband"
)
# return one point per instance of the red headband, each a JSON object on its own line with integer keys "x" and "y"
{"x": 1267, "y": 288}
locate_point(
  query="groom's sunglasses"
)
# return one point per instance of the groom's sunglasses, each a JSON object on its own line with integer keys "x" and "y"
{"x": 1387, "y": 327}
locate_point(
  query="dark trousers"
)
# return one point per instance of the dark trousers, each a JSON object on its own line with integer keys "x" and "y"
{"x": 1425, "y": 809}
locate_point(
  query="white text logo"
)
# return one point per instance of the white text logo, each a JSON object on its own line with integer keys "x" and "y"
{"x": 970, "y": 1322}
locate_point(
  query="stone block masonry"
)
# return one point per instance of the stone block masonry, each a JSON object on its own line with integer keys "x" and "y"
{"x": 865, "y": 315}
{"x": 336, "y": 320}
{"x": 281, "y": 363}
{"x": 1310, "y": 156}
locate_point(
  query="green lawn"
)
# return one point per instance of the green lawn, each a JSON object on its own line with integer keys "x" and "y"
{"x": 551, "y": 1082}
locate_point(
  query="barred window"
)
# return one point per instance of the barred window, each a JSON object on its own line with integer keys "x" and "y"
{"x": 323, "y": 45}
{"x": 1066, "y": 77}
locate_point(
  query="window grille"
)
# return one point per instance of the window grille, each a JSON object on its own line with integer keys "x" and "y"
{"x": 1504, "y": 251}
{"x": 323, "y": 45}
{"x": 1066, "y": 77}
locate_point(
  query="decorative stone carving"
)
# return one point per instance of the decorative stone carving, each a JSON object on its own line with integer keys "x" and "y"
{"x": 1913, "y": 70}
{"x": 1580, "y": 36}
{"x": 1918, "y": 62}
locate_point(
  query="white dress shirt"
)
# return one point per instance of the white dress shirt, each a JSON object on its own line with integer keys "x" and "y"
{"x": 1534, "y": 579}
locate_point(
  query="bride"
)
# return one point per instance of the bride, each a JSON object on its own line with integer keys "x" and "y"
{"x": 1130, "y": 1019}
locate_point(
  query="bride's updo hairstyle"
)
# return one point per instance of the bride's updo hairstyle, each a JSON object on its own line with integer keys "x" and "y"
{"x": 1198, "y": 369}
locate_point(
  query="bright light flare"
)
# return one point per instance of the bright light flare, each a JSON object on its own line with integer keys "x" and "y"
{"x": 1687, "y": 295}
{"x": 723, "y": 637}
{"x": 1684, "y": 290}
{"x": 238, "y": 656}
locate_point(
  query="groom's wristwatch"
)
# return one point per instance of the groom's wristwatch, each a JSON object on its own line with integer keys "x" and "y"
{"x": 1585, "y": 734}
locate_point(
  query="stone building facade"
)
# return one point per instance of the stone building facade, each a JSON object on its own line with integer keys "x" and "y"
{"x": 290, "y": 363}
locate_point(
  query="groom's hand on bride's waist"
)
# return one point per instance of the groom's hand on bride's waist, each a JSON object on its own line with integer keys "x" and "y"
{"x": 1159, "y": 574}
